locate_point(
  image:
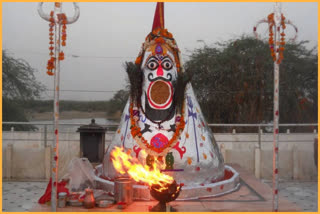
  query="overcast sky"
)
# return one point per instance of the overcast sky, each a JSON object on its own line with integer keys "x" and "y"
{"x": 108, "y": 34}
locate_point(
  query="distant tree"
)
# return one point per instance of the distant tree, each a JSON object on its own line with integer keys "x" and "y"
{"x": 18, "y": 85}
{"x": 118, "y": 102}
{"x": 233, "y": 82}
{"x": 120, "y": 98}
{"x": 299, "y": 84}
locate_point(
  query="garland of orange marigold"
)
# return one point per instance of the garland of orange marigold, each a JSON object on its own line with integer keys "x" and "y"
{"x": 50, "y": 65}
{"x": 271, "y": 36}
{"x": 143, "y": 143}
{"x": 51, "y": 62}
{"x": 160, "y": 35}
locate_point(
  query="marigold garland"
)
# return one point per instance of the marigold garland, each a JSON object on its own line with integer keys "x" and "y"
{"x": 271, "y": 36}
{"x": 64, "y": 27}
{"x": 62, "y": 18}
{"x": 50, "y": 64}
{"x": 162, "y": 36}
{"x": 143, "y": 143}
{"x": 61, "y": 56}
{"x": 159, "y": 40}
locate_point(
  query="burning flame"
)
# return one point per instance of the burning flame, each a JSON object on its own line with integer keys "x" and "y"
{"x": 125, "y": 163}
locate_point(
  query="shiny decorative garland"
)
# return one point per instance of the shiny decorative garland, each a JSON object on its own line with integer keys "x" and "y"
{"x": 143, "y": 143}
{"x": 271, "y": 41}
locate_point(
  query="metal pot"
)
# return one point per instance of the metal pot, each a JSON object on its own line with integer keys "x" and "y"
{"x": 62, "y": 199}
{"x": 123, "y": 191}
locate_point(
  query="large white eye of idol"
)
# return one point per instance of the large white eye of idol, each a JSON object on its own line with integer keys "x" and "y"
{"x": 152, "y": 64}
{"x": 167, "y": 64}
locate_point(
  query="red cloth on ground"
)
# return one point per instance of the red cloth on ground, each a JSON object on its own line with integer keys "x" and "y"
{"x": 47, "y": 195}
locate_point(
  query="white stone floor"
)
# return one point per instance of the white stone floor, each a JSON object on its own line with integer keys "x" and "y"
{"x": 304, "y": 194}
{"x": 22, "y": 196}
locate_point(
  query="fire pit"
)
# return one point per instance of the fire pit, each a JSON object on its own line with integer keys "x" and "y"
{"x": 164, "y": 194}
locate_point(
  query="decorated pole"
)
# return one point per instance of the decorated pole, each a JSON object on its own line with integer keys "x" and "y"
{"x": 57, "y": 35}
{"x": 276, "y": 22}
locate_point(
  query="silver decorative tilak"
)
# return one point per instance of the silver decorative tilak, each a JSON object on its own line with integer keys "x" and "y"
{"x": 276, "y": 97}
{"x": 57, "y": 26}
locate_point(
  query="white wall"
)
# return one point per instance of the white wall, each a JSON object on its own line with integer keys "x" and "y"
{"x": 25, "y": 155}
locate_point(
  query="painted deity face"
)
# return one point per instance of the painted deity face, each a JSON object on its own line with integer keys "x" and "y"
{"x": 159, "y": 73}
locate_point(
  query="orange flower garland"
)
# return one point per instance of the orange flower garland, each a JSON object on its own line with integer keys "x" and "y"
{"x": 282, "y": 43}
{"x": 271, "y": 41}
{"x": 159, "y": 40}
{"x": 136, "y": 134}
{"x": 50, "y": 64}
{"x": 61, "y": 56}
{"x": 63, "y": 20}
{"x": 162, "y": 36}
{"x": 64, "y": 27}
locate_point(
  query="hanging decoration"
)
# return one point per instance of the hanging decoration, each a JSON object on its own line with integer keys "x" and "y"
{"x": 50, "y": 65}
{"x": 61, "y": 20}
{"x": 271, "y": 23}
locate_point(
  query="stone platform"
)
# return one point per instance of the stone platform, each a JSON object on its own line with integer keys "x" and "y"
{"x": 230, "y": 183}
{"x": 253, "y": 195}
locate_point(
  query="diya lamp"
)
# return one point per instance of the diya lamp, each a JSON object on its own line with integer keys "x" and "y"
{"x": 164, "y": 195}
